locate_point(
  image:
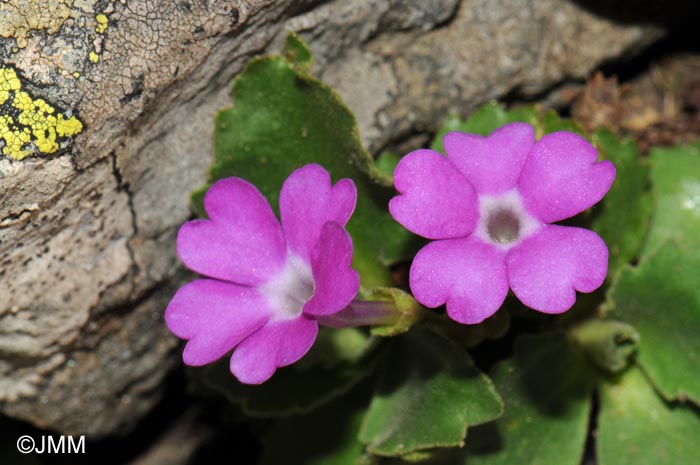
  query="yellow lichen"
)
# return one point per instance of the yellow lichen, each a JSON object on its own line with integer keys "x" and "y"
{"x": 102, "y": 23}
{"x": 28, "y": 125}
{"x": 76, "y": 75}
{"x": 19, "y": 17}
{"x": 8, "y": 82}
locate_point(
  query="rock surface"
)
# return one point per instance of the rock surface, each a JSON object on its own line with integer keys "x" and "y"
{"x": 88, "y": 221}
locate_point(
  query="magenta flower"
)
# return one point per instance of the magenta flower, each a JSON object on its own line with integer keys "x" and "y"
{"x": 489, "y": 205}
{"x": 269, "y": 282}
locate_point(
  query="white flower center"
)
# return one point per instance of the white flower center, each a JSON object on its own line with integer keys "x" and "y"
{"x": 503, "y": 220}
{"x": 290, "y": 289}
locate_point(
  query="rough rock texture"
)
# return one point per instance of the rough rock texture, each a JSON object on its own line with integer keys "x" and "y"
{"x": 399, "y": 81}
{"x": 87, "y": 258}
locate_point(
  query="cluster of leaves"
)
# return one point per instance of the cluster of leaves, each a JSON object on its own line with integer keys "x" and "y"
{"x": 361, "y": 397}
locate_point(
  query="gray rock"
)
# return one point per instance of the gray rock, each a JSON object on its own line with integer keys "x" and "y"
{"x": 400, "y": 81}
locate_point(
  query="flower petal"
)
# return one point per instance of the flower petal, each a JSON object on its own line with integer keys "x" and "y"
{"x": 241, "y": 243}
{"x": 547, "y": 269}
{"x": 466, "y": 274}
{"x": 437, "y": 201}
{"x": 561, "y": 178}
{"x": 307, "y": 201}
{"x": 491, "y": 164}
{"x": 215, "y": 316}
{"x": 336, "y": 283}
{"x": 277, "y": 344}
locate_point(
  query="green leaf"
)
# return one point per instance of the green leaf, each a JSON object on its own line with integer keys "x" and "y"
{"x": 623, "y": 218}
{"x": 284, "y": 118}
{"x": 661, "y": 299}
{"x": 443, "y": 456}
{"x": 338, "y": 361}
{"x": 297, "y": 52}
{"x": 550, "y": 121}
{"x": 328, "y": 436}
{"x": 547, "y": 403}
{"x": 484, "y": 120}
{"x": 675, "y": 180}
{"x": 428, "y": 394}
{"x": 637, "y": 427}
{"x": 386, "y": 163}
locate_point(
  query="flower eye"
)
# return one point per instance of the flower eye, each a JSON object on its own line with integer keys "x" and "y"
{"x": 503, "y": 226}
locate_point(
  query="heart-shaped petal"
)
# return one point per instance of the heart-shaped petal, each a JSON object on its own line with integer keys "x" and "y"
{"x": 242, "y": 242}
{"x": 437, "y": 202}
{"x": 308, "y": 201}
{"x": 335, "y": 282}
{"x": 547, "y": 268}
{"x": 466, "y": 274}
{"x": 491, "y": 164}
{"x": 561, "y": 178}
{"x": 215, "y": 316}
{"x": 277, "y": 344}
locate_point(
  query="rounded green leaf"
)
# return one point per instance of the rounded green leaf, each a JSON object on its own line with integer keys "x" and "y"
{"x": 327, "y": 436}
{"x": 547, "y": 399}
{"x": 428, "y": 393}
{"x": 675, "y": 177}
{"x": 637, "y": 427}
{"x": 661, "y": 299}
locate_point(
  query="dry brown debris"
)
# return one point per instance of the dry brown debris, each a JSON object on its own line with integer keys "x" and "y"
{"x": 660, "y": 107}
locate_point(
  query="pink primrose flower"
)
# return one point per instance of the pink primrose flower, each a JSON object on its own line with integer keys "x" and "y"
{"x": 489, "y": 206}
{"x": 267, "y": 282}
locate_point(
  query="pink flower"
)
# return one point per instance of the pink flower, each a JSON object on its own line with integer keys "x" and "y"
{"x": 489, "y": 205}
{"x": 269, "y": 282}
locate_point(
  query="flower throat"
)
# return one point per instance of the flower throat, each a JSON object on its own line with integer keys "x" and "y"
{"x": 503, "y": 226}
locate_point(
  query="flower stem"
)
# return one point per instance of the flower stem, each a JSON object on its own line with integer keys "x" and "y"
{"x": 363, "y": 313}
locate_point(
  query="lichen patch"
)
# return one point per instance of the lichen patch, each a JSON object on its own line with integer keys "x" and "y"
{"x": 19, "y": 18}
{"x": 30, "y": 126}
{"x": 102, "y": 23}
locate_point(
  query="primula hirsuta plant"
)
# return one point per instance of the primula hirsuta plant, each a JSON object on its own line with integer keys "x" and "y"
{"x": 488, "y": 206}
{"x": 268, "y": 283}
{"x": 409, "y": 387}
